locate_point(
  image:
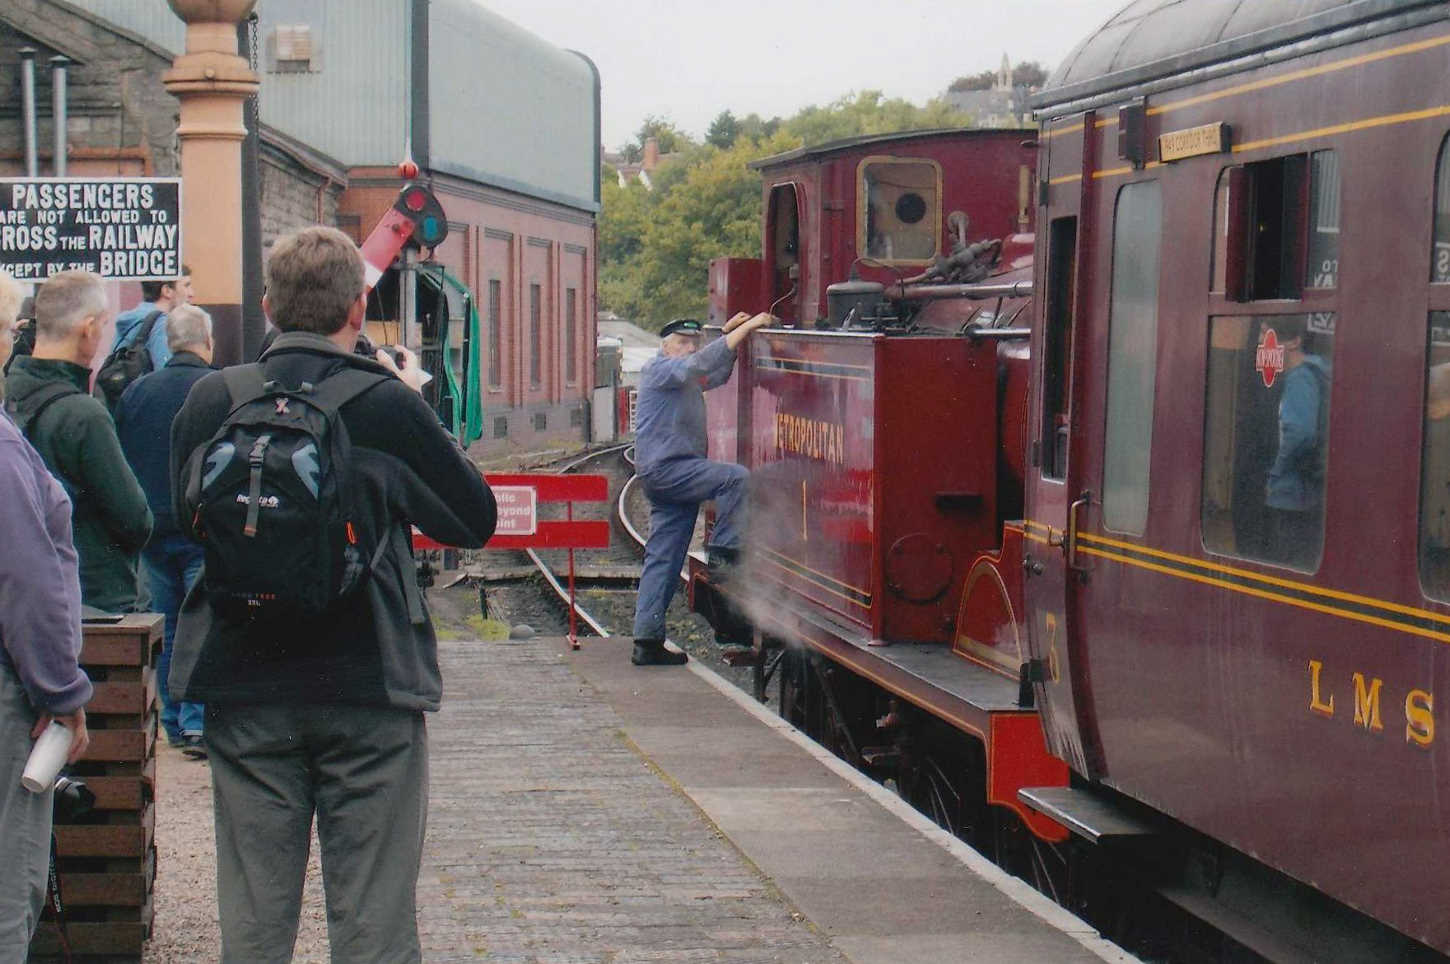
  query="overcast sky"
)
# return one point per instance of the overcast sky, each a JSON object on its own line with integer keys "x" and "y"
{"x": 690, "y": 59}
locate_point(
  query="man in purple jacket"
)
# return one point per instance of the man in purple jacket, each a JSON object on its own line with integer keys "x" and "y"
{"x": 40, "y": 677}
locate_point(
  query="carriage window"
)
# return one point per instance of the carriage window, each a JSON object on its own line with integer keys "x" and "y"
{"x": 1440, "y": 262}
{"x": 1323, "y": 261}
{"x": 1266, "y": 437}
{"x": 1435, "y": 465}
{"x": 900, "y": 209}
{"x": 1057, "y": 347}
{"x": 1276, "y": 227}
{"x": 1132, "y": 356}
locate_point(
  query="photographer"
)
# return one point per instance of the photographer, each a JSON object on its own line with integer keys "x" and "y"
{"x": 40, "y": 678}
{"x": 316, "y": 705}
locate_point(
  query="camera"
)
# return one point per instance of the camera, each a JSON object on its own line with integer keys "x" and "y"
{"x": 73, "y": 799}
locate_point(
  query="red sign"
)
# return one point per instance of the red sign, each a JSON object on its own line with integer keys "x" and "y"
{"x": 519, "y": 527}
{"x": 1269, "y": 359}
{"x": 518, "y": 510}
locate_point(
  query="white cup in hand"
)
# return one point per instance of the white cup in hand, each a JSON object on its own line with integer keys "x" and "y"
{"x": 46, "y": 758}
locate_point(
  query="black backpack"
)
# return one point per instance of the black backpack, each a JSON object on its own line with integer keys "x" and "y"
{"x": 269, "y": 497}
{"x": 128, "y": 362}
{"x": 28, "y": 416}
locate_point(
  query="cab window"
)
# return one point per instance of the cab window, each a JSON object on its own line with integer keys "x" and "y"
{"x": 900, "y": 205}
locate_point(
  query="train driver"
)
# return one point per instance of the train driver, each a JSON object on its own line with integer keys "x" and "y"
{"x": 670, "y": 460}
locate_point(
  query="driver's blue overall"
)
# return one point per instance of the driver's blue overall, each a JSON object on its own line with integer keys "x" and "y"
{"x": 669, "y": 448}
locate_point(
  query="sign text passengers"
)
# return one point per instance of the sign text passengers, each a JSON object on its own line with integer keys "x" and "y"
{"x": 120, "y": 228}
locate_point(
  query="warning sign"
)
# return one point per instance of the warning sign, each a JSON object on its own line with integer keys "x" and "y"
{"x": 124, "y": 229}
{"x": 518, "y": 510}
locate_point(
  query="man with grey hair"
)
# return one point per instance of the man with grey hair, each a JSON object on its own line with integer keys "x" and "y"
{"x": 47, "y": 396}
{"x": 11, "y": 296}
{"x": 171, "y": 561}
{"x": 318, "y": 712}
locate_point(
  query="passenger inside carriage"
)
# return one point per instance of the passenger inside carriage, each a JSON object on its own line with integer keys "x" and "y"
{"x": 1266, "y": 437}
{"x": 1294, "y": 491}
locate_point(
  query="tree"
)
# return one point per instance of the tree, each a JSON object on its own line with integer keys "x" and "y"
{"x": 655, "y": 246}
{"x": 982, "y": 81}
{"x": 1029, "y": 74}
{"x": 664, "y": 131}
{"x": 723, "y": 131}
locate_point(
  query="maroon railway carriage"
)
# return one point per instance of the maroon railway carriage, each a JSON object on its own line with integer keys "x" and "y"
{"x": 1238, "y": 207}
{"x": 1230, "y": 192}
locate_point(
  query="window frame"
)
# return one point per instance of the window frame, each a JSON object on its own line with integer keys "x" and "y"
{"x": 862, "y": 207}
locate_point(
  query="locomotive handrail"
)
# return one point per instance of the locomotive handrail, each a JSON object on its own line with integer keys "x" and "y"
{"x": 998, "y": 334}
{"x": 1009, "y": 289}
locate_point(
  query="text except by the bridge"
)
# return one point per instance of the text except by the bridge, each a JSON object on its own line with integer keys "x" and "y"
{"x": 121, "y": 228}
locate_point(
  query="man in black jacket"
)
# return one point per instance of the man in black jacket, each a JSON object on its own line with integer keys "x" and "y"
{"x": 171, "y": 561}
{"x": 325, "y": 714}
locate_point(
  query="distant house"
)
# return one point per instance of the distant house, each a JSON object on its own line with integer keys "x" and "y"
{"x": 649, "y": 162}
{"x": 1001, "y": 105}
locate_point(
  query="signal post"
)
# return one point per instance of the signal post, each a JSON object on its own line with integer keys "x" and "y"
{"x": 212, "y": 82}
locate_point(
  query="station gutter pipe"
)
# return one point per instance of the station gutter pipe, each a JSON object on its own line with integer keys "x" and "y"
{"x": 27, "y": 111}
{"x": 58, "y": 65}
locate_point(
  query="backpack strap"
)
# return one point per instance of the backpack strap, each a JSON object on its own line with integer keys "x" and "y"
{"x": 244, "y": 384}
{"x": 47, "y": 395}
{"x": 142, "y": 332}
{"x": 337, "y": 389}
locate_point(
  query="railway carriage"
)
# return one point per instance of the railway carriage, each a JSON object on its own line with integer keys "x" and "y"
{"x": 1172, "y": 587}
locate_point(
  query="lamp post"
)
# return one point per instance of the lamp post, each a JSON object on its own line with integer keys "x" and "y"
{"x": 211, "y": 81}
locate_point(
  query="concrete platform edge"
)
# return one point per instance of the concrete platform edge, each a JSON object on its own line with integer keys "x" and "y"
{"x": 1011, "y": 887}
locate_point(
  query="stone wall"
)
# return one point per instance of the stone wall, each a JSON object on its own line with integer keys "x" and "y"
{"x": 294, "y": 194}
{"x": 117, "y": 106}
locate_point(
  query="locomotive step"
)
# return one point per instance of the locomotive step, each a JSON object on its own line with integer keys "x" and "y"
{"x": 1085, "y": 814}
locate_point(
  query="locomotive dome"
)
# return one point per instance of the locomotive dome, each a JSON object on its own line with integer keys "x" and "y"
{"x": 1154, "y": 40}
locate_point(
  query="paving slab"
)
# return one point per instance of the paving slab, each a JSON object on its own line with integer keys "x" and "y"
{"x": 552, "y": 839}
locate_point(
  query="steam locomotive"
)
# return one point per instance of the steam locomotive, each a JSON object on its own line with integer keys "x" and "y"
{"x": 1101, "y": 472}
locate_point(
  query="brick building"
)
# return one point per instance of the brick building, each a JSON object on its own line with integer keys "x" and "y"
{"x": 504, "y": 127}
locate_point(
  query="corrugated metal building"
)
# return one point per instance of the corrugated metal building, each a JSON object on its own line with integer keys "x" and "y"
{"x": 504, "y": 125}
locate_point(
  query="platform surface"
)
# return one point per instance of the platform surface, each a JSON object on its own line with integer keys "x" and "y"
{"x": 583, "y": 809}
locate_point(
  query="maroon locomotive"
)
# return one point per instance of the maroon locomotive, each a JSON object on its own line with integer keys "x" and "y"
{"x": 1177, "y": 586}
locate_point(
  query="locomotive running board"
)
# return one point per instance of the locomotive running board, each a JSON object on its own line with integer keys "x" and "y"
{"x": 1084, "y": 813}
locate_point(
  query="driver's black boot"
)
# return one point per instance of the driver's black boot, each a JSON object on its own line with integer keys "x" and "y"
{"x": 652, "y": 652}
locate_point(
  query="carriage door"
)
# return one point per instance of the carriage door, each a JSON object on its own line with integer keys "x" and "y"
{"x": 1050, "y": 500}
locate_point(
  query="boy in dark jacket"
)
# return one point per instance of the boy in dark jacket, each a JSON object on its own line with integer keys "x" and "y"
{"x": 46, "y": 394}
{"x": 325, "y": 714}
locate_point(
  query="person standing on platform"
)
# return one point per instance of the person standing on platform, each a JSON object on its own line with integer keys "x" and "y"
{"x": 46, "y": 395}
{"x": 40, "y": 676}
{"x": 11, "y": 297}
{"x": 158, "y": 300}
{"x": 171, "y": 561}
{"x": 670, "y": 450}
{"x": 318, "y": 712}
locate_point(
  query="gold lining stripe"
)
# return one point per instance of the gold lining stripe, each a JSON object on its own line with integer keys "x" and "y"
{"x": 1303, "y": 587}
{"x": 1383, "y": 120}
{"x": 1303, "y": 74}
{"x": 1266, "y": 594}
{"x": 816, "y": 583}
